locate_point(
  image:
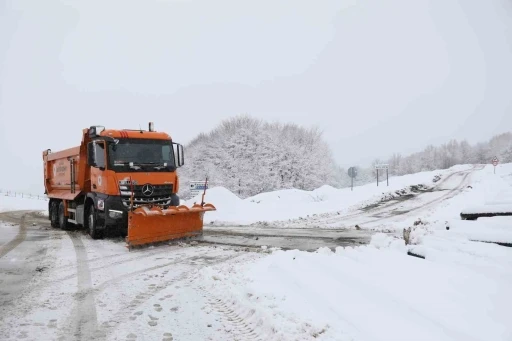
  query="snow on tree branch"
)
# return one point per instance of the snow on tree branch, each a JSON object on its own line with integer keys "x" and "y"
{"x": 249, "y": 156}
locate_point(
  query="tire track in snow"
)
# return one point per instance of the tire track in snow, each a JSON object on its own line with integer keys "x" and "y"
{"x": 133, "y": 258}
{"x": 126, "y": 312}
{"x": 237, "y": 322}
{"x": 22, "y": 303}
{"x": 240, "y": 327}
{"x": 451, "y": 193}
{"x": 334, "y": 218}
{"x": 20, "y": 237}
{"x": 84, "y": 318}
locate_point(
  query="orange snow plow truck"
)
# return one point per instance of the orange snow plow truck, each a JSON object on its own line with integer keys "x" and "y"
{"x": 122, "y": 180}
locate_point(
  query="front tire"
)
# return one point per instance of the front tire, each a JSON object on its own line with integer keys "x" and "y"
{"x": 175, "y": 200}
{"x": 91, "y": 223}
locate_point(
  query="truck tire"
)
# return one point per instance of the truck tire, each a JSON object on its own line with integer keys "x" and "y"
{"x": 63, "y": 220}
{"x": 54, "y": 214}
{"x": 175, "y": 200}
{"x": 91, "y": 224}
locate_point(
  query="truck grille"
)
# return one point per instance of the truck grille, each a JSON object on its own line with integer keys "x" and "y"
{"x": 142, "y": 195}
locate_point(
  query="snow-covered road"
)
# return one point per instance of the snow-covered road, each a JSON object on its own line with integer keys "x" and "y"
{"x": 398, "y": 208}
{"x": 58, "y": 285}
{"x": 61, "y": 285}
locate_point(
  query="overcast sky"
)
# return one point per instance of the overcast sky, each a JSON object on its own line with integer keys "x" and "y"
{"x": 376, "y": 76}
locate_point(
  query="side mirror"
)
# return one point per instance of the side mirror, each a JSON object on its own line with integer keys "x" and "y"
{"x": 91, "y": 155}
{"x": 180, "y": 158}
{"x": 95, "y": 131}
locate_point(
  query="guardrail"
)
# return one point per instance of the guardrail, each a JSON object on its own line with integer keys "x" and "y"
{"x": 15, "y": 194}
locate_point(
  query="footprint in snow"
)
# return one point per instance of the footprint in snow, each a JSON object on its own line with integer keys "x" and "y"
{"x": 131, "y": 336}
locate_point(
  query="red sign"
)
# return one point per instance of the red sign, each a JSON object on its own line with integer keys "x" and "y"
{"x": 495, "y": 161}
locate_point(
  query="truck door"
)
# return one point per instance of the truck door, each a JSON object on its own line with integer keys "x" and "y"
{"x": 98, "y": 160}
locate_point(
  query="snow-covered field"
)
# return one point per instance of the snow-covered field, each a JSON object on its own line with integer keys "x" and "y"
{"x": 9, "y": 203}
{"x": 460, "y": 291}
{"x": 451, "y": 281}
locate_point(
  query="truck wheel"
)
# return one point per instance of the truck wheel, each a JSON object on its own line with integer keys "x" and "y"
{"x": 63, "y": 220}
{"x": 175, "y": 200}
{"x": 54, "y": 215}
{"x": 91, "y": 223}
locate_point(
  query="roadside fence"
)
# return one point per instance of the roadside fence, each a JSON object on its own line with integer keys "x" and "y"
{"x": 9, "y": 193}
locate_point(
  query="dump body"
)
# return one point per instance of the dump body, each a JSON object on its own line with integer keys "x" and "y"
{"x": 61, "y": 174}
{"x": 121, "y": 180}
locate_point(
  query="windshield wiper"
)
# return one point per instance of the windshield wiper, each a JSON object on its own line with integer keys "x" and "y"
{"x": 139, "y": 165}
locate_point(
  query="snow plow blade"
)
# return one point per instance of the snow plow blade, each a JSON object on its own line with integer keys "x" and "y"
{"x": 155, "y": 225}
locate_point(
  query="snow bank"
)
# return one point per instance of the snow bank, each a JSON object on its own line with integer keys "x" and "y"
{"x": 293, "y": 203}
{"x": 461, "y": 291}
{"x": 495, "y": 229}
{"x": 8, "y": 203}
{"x": 488, "y": 209}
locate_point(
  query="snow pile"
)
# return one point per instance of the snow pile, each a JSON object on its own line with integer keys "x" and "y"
{"x": 487, "y": 192}
{"x": 8, "y": 203}
{"x": 498, "y": 200}
{"x": 496, "y": 229}
{"x": 459, "y": 291}
{"x": 293, "y": 203}
{"x": 397, "y": 195}
{"x": 376, "y": 292}
{"x": 488, "y": 209}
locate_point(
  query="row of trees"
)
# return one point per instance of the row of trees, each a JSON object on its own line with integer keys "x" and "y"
{"x": 441, "y": 157}
{"x": 249, "y": 156}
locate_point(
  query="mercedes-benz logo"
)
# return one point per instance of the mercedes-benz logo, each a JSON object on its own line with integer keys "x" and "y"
{"x": 147, "y": 190}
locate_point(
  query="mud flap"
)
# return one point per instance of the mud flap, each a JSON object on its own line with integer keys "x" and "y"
{"x": 154, "y": 225}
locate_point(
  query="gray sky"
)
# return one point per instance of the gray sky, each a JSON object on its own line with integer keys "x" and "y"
{"x": 376, "y": 76}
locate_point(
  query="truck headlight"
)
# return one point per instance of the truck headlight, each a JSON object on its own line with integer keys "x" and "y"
{"x": 114, "y": 214}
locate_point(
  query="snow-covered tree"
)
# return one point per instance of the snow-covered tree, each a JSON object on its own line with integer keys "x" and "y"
{"x": 249, "y": 156}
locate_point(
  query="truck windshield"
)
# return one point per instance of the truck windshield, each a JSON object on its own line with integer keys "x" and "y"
{"x": 131, "y": 155}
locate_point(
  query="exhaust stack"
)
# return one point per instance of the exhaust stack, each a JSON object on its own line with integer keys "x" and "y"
{"x": 151, "y": 126}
